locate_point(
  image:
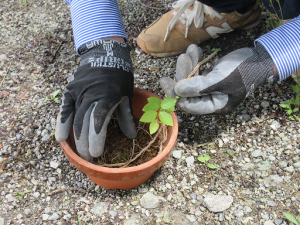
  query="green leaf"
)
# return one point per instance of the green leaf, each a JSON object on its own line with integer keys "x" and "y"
{"x": 216, "y": 50}
{"x": 57, "y": 100}
{"x": 211, "y": 166}
{"x": 201, "y": 159}
{"x": 154, "y": 100}
{"x": 295, "y": 88}
{"x": 46, "y": 100}
{"x": 169, "y": 110}
{"x": 291, "y": 118}
{"x": 291, "y": 218}
{"x": 295, "y": 109}
{"x": 168, "y": 103}
{"x": 206, "y": 157}
{"x": 154, "y": 125}
{"x": 150, "y": 106}
{"x": 298, "y": 218}
{"x": 165, "y": 118}
{"x": 177, "y": 97}
{"x": 283, "y": 105}
{"x": 21, "y": 193}
{"x": 149, "y": 116}
{"x": 289, "y": 111}
{"x": 27, "y": 191}
{"x": 55, "y": 93}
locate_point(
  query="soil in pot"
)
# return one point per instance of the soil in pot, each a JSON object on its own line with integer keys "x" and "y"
{"x": 122, "y": 152}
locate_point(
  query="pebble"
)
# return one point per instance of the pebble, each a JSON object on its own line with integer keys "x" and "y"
{"x": 271, "y": 203}
{"x": 190, "y": 160}
{"x": 3, "y": 57}
{"x": 99, "y": 208}
{"x": 191, "y": 218}
{"x": 265, "y": 104}
{"x": 275, "y": 125}
{"x": 256, "y": 153}
{"x": 218, "y": 203}
{"x": 221, "y": 217}
{"x": 10, "y": 198}
{"x": 150, "y": 201}
{"x": 54, "y": 164}
{"x": 27, "y": 211}
{"x": 113, "y": 213}
{"x": 177, "y": 154}
{"x": 54, "y": 216}
{"x": 1, "y": 221}
{"x": 278, "y": 221}
{"x": 36, "y": 194}
{"x": 45, "y": 217}
{"x": 265, "y": 165}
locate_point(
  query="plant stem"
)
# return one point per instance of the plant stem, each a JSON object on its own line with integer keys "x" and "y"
{"x": 200, "y": 63}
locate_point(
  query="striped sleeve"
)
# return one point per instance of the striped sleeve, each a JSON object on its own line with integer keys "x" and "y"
{"x": 283, "y": 45}
{"x": 95, "y": 19}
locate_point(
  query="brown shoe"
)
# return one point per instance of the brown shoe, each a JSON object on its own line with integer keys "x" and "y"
{"x": 191, "y": 22}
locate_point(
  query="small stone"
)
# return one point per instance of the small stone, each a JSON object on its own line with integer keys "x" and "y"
{"x": 275, "y": 125}
{"x": 265, "y": 104}
{"x": 27, "y": 211}
{"x": 3, "y": 57}
{"x": 191, "y": 218}
{"x": 54, "y": 164}
{"x": 113, "y": 213}
{"x": 278, "y": 221}
{"x": 99, "y": 209}
{"x": 238, "y": 213}
{"x": 177, "y": 154}
{"x": 190, "y": 160}
{"x": 46, "y": 137}
{"x": 36, "y": 194}
{"x": 271, "y": 203}
{"x": 256, "y": 153}
{"x": 290, "y": 169}
{"x": 10, "y": 198}
{"x": 19, "y": 216}
{"x": 221, "y": 217}
{"x": 150, "y": 201}
{"x": 45, "y": 217}
{"x": 200, "y": 198}
{"x": 297, "y": 164}
{"x": 193, "y": 195}
{"x": 218, "y": 203}
{"x": 134, "y": 203}
{"x": 264, "y": 165}
{"x": 1, "y": 221}
{"x": 54, "y": 216}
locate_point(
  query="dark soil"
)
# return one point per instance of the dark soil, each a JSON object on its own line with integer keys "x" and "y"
{"x": 119, "y": 148}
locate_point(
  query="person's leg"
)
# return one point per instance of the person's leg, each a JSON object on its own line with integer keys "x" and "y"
{"x": 290, "y": 8}
{"x": 192, "y": 22}
{"x": 228, "y": 6}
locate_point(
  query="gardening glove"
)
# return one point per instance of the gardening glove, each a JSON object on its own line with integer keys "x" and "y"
{"x": 232, "y": 79}
{"x": 102, "y": 84}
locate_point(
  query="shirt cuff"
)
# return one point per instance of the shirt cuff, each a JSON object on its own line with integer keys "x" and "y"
{"x": 283, "y": 45}
{"x": 95, "y": 19}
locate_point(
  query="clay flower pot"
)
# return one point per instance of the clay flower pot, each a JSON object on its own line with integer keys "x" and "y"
{"x": 124, "y": 178}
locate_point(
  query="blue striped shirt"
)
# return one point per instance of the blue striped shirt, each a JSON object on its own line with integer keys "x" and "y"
{"x": 283, "y": 45}
{"x": 95, "y": 19}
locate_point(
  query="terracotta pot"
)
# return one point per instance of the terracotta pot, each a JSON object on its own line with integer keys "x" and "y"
{"x": 124, "y": 178}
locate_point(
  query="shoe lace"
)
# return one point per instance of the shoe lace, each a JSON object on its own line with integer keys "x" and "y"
{"x": 197, "y": 15}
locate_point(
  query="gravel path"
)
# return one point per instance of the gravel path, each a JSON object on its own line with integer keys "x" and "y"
{"x": 256, "y": 147}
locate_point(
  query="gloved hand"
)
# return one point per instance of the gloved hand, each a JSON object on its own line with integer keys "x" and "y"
{"x": 102, "y": 84}
{"x": 232, "y": 79}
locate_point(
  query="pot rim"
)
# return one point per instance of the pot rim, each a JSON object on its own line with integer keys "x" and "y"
{"x": 106, "y": 170}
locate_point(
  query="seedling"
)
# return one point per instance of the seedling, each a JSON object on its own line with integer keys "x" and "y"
{"x": 21, "y": 194}
{"x": 53, "y": 97}
{"x": 205, "y": 160}
{"x": 216, "y": 50}
{"x": 291, "y": 218}
{"x": 291, "y": 110}
{"x": 157, "y": 111}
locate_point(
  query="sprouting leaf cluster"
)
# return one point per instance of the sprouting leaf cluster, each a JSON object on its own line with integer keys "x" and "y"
{"x": 21, "y": 194}
{"x": 292, "y": 106}
{"x": 53, "y": 97}
{"x": 205, "y": 160}
{"x": 157, "y": 111}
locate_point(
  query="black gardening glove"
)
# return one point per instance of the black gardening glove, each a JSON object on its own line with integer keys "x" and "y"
{"x": 102, "y": 84}
{"x": 232, "y": 79}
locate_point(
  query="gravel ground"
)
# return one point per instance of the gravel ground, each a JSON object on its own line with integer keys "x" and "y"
{"x": 256, "y": 147}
